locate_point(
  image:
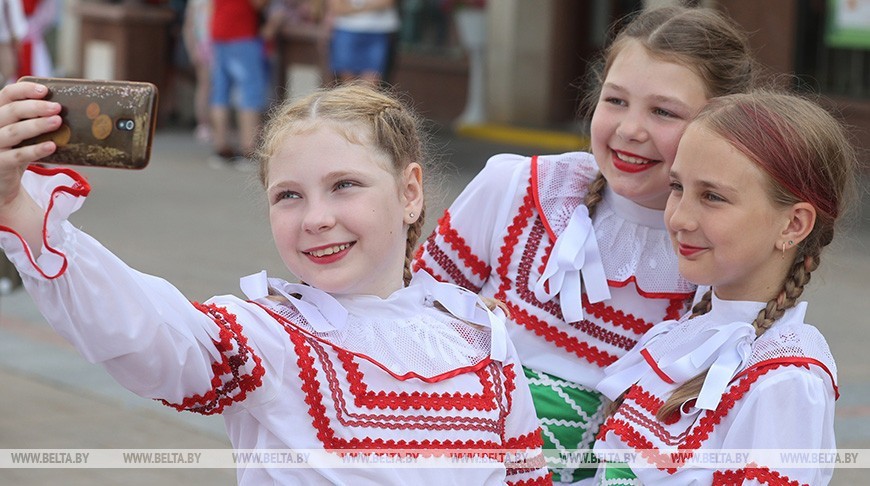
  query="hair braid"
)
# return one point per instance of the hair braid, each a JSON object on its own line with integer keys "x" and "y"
{"x": 414, "y": 231}
{"x": 798, "y": 277}
{"x": 595, "y": 193}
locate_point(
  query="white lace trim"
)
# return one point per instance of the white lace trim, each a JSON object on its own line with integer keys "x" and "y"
{"x": 632, "y": 240}
{"x": 405, "y": 334}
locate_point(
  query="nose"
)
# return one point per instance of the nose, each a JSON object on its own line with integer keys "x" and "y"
{"x": 679, "y": 215}
{"x": 318, "y": 218}
{"x": 631, "y": 127}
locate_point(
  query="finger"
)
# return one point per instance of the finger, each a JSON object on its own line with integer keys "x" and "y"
{"x": 26, "y": 155}
{"x": 22, "y": 90}
{"x": 13, "y": 134}
{"x": 25, "y": 109}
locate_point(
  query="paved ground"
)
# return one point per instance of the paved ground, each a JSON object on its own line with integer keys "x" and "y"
{"x": 202, "y": 229}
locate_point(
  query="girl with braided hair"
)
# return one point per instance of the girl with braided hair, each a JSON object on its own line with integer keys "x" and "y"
{"x": 758, "y": 182}
{"x": 574, "y": 244}
{"x": 365, "y": 359}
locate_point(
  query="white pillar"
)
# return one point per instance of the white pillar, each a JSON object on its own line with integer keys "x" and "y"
{"x": 472, "y": 32}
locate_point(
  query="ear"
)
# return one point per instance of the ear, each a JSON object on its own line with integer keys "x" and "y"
{"x": 802, "y": 219}
{"x": 411, "y": 192}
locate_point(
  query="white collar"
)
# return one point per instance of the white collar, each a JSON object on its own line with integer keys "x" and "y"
{"x": 326, "y": 312}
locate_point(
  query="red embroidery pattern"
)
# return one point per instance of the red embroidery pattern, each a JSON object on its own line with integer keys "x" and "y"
{"x": 617, "y": 317}
{"x": 698, "y": 435}
{"x": 228, "y": 383}
{"x": 310, "y": 352}
{"x": 393, "y": 421}
{"x": 458, "y": 244}
{"x": 752, "y": 471}
{"x": 363, "y": 397}
{"x": 540, "y": 481}
{"x": 454, "y": 273}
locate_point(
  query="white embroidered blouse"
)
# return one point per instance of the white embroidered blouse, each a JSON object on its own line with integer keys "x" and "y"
{"x": 312, "y": 371}
{"x": 761, "y": 397}
{"x": 520, "y": 232}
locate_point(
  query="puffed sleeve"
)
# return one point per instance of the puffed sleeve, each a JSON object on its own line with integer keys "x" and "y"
{"x": 140, "y": 328}
{"x": 462, "y": 249}
{"x": 788, "y": 417}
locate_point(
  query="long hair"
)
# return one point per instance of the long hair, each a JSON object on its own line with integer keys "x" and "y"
{"x": 807, "y": 156}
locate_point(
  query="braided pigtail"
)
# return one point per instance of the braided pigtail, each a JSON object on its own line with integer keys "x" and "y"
{"x": 704, "y": 304}
{"x": 595, "y": 193}
{"x": 414, "y": 231}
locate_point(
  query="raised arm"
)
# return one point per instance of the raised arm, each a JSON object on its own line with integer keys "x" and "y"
{"x": 23, "y": 115}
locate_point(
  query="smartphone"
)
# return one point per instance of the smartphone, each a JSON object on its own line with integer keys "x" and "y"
{"x": 105, "y": 123}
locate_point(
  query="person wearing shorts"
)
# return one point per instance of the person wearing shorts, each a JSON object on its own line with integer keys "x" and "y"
{"x": 363, "y": 33}
{"x": 238, "y": 79}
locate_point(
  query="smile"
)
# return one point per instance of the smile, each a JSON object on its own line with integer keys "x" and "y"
{"x": 327, "y": 250}
{"x": 631, "y": 163}
{"x": 688, "y": 250}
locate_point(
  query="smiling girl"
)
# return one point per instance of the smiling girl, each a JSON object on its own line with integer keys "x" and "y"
{"x": 365, "y": 359}
{"x": 758, "y": 183}
{"x": 574, "y": 244}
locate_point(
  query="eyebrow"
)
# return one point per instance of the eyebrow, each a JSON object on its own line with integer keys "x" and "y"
{"x": 655, "y": 98}
{"x": 708, "y": 184}
{"x": 329, "y": 176}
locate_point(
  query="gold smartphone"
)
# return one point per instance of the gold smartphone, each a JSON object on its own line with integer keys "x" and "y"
{"x": 105, "y": 123}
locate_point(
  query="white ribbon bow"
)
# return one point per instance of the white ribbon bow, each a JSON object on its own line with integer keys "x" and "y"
{"x": 320, "y": 309}
{"x": 729, "y": 347}
{"x": 722, "y": 354}
{"x": 468, "y": 307}
{"x": 575, "y": 252}
{"x": 632, "y": 366}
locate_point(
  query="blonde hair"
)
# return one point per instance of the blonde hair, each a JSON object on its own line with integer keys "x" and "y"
{"x": 701, "y": 39}
{"x": 806, "y": 155}
{"x": 364, "y": 115}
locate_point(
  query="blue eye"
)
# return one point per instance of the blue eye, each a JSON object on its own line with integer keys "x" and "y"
{"x": 615, "y": 101}
{"x": 287, "y": 195}
{"x": 345, "y": 184}
{"x": 676, "y": 186}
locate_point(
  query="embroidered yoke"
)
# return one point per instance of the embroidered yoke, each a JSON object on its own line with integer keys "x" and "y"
{"x": 520, "y": 233}
{"x": 359, "y": 375}
{"x": 760, "y": 397}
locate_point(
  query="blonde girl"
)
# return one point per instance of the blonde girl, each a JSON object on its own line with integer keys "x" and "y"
{"x": 365, "y": 360}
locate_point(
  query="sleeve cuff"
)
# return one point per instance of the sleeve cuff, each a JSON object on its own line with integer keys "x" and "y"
{"x": 59, "y": 192}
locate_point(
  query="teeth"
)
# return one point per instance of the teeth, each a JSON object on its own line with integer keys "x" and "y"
{"x": 328, "y": 251}
{"x": 630, "y": 159}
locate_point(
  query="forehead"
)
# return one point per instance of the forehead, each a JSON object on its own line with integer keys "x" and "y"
{"x": 329, "y": 146}
{"x": 644, "y": 74}
{"x": 705, "y": 155}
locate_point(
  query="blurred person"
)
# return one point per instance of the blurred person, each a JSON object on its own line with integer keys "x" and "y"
{"x": 362, "y": 38}
{"x": 13, "y": 27}
{"x": 238, "y": 79}
{"x": 197, "y": 42}
{"x": 34, "y": 58}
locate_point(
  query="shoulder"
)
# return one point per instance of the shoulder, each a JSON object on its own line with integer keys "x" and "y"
{"x": 798, "y": 346}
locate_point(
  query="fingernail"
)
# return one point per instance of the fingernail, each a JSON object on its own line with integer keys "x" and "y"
{"x": 41, "y": 89}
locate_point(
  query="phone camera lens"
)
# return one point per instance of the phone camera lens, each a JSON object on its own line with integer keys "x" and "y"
{"x": 126, "y": 124}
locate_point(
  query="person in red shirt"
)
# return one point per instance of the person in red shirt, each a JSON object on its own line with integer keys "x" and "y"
{"x": 238, "y": 78}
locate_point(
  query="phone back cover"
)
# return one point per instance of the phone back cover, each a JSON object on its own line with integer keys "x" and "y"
{"x": 91, "y": 112}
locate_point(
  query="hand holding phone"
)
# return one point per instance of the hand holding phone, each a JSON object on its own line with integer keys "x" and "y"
{"x": 105, "y": 123}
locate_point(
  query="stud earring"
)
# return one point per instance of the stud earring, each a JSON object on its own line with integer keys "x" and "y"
{"x": 411, "y": 215}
